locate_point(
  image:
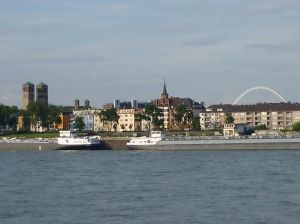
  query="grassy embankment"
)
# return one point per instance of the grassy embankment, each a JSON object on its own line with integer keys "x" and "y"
{"x": 30, "y": 135}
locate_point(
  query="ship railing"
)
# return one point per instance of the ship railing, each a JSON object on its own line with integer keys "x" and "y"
{"x": 192, "y": 138}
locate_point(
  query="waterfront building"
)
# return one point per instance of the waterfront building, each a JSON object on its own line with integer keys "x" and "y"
{"x": 88, "y": 118}
{"x": 129, "y": 121}
{"x": 98, "y": 123}
{"x": 65, "y": 121}
{"x": 42, "y": 94}
{"x": 27, "y": 94}
{"x": 168, "y": 105}
{"x": 275, "y": 116}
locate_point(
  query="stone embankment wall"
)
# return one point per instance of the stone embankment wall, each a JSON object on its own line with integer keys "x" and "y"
{"x": 117, "y": 143}
{"x": 111, "y": 143}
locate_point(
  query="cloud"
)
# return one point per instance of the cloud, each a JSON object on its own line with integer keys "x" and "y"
{"x": 276, "y": 48}
{"x": 275, "y": 6}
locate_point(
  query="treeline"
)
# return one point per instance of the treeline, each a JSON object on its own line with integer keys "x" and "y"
{"x": 38, "y": 116}
{"x": 8, "y": 117}
{"x": 35, "y": 116}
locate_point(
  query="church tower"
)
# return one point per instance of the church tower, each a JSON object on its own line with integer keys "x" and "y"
{"x": 164, "y": 94}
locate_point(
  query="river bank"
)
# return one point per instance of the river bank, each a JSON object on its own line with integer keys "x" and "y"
{"x": 106, "y": 144}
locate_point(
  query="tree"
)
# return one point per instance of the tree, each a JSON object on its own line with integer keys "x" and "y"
{"x": 261, "y": 127}
{"x": 24, "y": 114}
{"x": 140, "y": 117}
{"x": 180, "y": 111}
{"x": 130, "y": 127}
{"x": 8, "y": 116}
{"x": 183, "y": 116}
{"x": 296, "y": 126}
{"x": 196, "y": 124}
{"x": 188, "y": 118}
{"x": 109, "y": 117}
{"x": 54, "y": 115}
{"x": 155, "y": 115}
{"x": 123, "y": 127}
{"x": 229, "y": 118}
{"x": 115, "y": 127}
{"x": 79, "y": 123}
{"x": 38, "y": 115}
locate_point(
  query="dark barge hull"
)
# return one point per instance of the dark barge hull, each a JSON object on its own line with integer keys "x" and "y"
{"x": 46, "y": 146}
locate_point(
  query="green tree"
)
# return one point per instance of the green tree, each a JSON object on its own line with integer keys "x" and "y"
{"x": 180, "y": 112}
{"x": 140, "y": 117}
{"x": 155, "y": 114}
{"x": 38, "y": 115}
{"x": 183, "y": 116}
{"x": 24, "y": 114}
{"x": 54, "y": 115}
{"x": 229, "y": 118}
{"x": 188, "y": 118}
{"x": 79, "y": 123}
{"x": 261, "y": 127}
{"x": 109, "y": 117}
{"x": 196, "y": 124}
{"x": 296, "y": 126}
{"x": 115, "y": 127}
{"x": 130, "y": 127}
{"x": 123, "y": 127}
{"x": 8, "y": 116}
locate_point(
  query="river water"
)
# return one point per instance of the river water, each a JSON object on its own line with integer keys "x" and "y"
{"x": 149, "y": 187}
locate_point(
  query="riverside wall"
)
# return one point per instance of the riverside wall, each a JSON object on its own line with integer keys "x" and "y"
{"x": 107, "y": 144}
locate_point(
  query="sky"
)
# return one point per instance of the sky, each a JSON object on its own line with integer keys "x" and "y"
{"x": 208, "y": 50}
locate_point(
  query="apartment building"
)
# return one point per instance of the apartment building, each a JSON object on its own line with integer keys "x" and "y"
{"x": 129, "y": 121}
{"x": 275, "y": 116}
{"x": 88, "y": 118}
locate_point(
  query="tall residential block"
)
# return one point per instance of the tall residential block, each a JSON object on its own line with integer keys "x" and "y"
{"x": 117, "y": 104}
{"x": 76, "y": 104}
{"x": 87, "y": 104}
{"x": 27, "y": 94}
{"x": 42, "y": 94}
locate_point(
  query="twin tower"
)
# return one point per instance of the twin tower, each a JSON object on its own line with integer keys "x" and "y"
{"x": 28, "y": 94}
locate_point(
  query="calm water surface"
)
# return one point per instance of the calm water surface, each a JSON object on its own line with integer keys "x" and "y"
{"x": 149, "y": 187}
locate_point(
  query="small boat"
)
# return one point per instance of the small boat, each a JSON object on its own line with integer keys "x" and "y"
{"x": 71, "y": 141}
{"x": 158, "y": 141}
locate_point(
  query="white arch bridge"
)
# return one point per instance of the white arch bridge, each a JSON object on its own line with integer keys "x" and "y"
{"x": 259, "y": 88}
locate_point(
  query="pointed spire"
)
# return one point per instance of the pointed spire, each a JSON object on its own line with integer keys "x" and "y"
{"x": 165, "y": 93}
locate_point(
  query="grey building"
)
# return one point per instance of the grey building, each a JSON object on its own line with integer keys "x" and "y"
{"x": 42, "y": 94}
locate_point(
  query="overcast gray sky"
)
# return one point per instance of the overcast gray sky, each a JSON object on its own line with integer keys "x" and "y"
{"x": 208, "y": 50}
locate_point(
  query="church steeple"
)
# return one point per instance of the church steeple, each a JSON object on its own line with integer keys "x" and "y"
{"x": 164, "y": 94}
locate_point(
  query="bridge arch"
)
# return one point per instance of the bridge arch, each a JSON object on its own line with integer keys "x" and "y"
{"x": 258, "y": 88}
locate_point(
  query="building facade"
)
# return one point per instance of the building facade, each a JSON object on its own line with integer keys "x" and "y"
{"x": 275, "y": 116}
{"x": 88, "y": 118}
{"x": 168, "y": 106}
{"x": 129, "y": 120}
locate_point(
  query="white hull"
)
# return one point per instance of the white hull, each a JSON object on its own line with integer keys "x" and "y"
{"x": 68, "y": 140}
